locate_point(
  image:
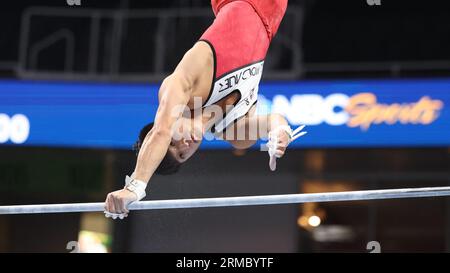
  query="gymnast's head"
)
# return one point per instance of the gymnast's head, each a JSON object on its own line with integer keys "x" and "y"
{"x": 182, "y": 146}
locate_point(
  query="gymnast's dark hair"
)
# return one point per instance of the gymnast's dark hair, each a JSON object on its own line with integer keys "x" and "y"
{"x": 169, "y": 165}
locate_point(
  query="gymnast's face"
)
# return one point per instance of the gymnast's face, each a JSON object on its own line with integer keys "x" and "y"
{"x": 185, "y": 141}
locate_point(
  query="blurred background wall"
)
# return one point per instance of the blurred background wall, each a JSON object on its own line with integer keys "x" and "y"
{"x": 68, "y": 64}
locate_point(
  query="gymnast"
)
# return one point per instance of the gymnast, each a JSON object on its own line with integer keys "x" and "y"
{"x": 213, "y": 90}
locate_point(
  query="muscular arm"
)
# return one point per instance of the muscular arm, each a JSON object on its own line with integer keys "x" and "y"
{"x": 274, "y": 125}
{"x": 174, "y": 93}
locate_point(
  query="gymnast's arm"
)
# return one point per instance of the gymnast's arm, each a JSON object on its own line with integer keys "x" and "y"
{"x": 174, "y": 92}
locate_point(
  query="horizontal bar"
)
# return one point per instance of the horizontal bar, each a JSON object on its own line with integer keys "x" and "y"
{"x": 237, "y": 201}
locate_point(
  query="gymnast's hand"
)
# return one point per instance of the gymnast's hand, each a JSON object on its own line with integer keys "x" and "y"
{"x": 278, "y": 142}
{"x": 279, "y": 139}
{"x": 117, "y": 202}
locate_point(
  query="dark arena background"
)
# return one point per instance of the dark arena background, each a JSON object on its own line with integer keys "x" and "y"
{"x": 369, "y": 79}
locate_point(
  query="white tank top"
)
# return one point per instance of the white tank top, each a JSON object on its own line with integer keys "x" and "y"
{"x": 244, "y": 80}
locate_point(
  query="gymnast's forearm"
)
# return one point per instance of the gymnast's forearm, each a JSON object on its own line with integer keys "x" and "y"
{"x": 276, "y": 120}
{"x": 151, "y": 154}
{"x": 263, "y": 123}
{"x": 268, "y": 123}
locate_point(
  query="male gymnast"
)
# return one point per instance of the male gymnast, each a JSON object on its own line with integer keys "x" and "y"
{"x": 219, "y": 76}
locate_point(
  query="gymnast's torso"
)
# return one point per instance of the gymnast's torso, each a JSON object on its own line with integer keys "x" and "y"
{"x": 239, "y": 39}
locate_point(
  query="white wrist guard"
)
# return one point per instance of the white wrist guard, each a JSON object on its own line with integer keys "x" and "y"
{"x": 272, "y": 144}
{"x": 136, "y": 186}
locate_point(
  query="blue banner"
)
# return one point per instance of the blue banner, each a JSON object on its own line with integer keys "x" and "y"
{"x": 344, "y": 113}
